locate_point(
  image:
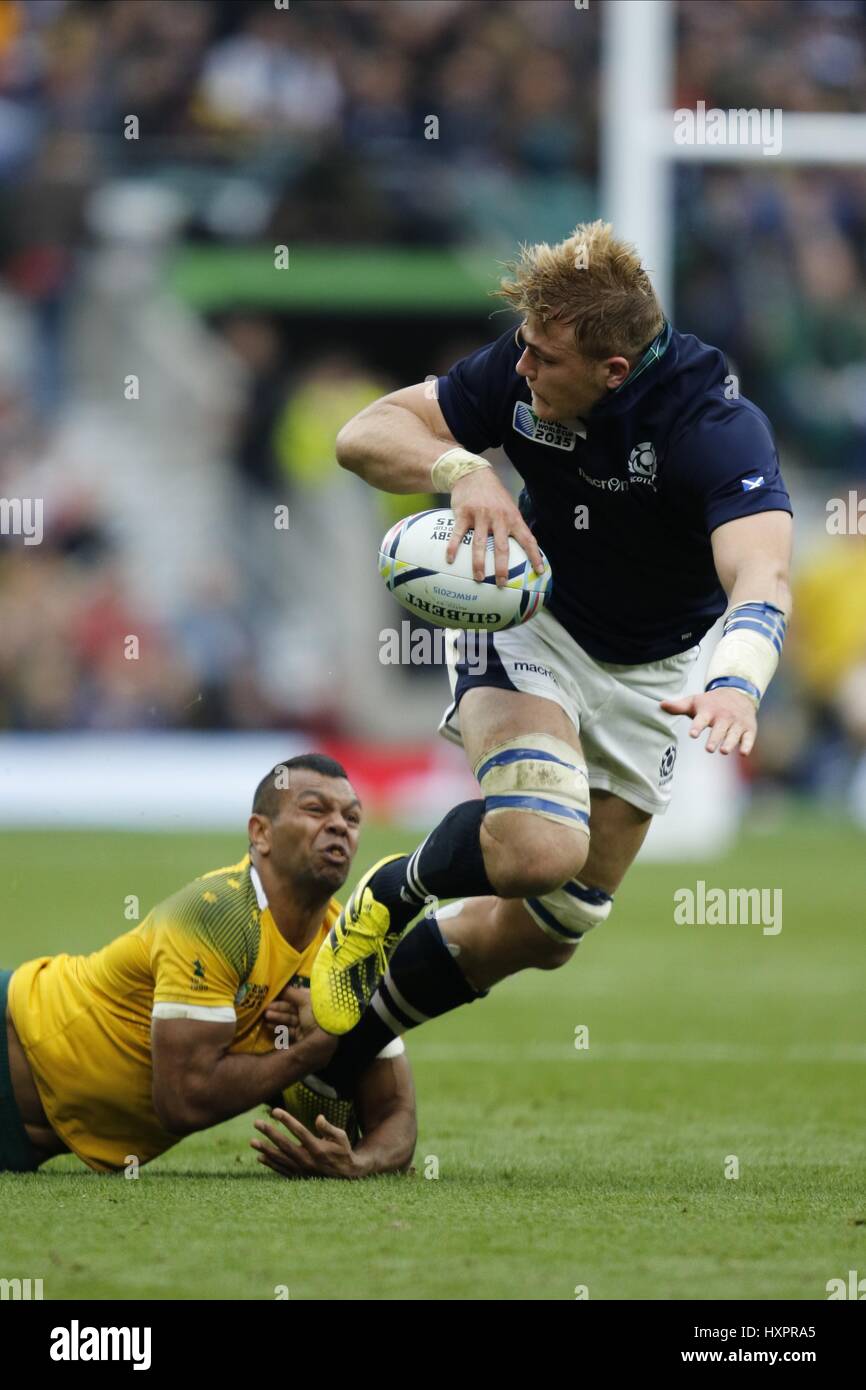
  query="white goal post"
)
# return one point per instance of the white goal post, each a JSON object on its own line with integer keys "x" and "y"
{"x": 638, "y": 151}
{"x": 638, "y": 143}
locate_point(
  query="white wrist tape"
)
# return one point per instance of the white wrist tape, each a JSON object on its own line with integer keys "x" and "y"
{"x": 453, "y": 464}
{"x": 748, "y": 652}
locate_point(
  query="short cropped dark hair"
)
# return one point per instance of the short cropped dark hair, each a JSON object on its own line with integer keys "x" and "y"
{"x": 266, "y": 800}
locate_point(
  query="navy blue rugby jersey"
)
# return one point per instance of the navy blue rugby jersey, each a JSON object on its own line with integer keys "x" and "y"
{"x": 666, "y": 458}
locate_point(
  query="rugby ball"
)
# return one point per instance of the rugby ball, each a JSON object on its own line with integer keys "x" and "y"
{"x": 412, "y": 563}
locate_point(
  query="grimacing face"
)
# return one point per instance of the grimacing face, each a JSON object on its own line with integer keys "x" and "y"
{"x": 564, "y": 383}
{"x": 312, "y": 840}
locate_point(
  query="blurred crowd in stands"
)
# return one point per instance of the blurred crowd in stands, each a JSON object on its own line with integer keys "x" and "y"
{"x": 313, "y": 123}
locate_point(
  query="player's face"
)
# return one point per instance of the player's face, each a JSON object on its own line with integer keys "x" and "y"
{"x": 564, "y": 383}
{"x": 314, "y": 837}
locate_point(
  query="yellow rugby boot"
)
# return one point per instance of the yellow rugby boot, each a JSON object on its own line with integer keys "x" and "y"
{"x": 353, "y": 957}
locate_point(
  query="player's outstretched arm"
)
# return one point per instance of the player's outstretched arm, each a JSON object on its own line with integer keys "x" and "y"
{"x": 385, "y": 1100}
{"x": 753, "y": 558}
{"x": 197, "y": 1082}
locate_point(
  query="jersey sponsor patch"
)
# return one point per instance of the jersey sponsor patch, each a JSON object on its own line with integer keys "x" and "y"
{"x": 609, "y": 484}
{"x": 251, "y": 996}
{"x": 550, "y": 432}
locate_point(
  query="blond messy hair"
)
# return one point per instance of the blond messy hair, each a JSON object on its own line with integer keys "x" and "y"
{"x": 593, "y": 280}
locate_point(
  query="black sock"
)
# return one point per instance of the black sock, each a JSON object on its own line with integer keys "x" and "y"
{"x": 423, "y": 981}
{"x": 449, "y": 864}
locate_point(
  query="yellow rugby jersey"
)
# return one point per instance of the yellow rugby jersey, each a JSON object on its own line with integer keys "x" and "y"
{"x": 211, "y": 951}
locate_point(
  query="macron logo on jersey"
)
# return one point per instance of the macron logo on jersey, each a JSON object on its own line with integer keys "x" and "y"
{"x": 549, "y": 432}
{"x": 749, "y": 484}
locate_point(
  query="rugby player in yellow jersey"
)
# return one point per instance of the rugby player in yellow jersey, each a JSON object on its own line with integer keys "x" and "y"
{"x": 171, "y": 1027}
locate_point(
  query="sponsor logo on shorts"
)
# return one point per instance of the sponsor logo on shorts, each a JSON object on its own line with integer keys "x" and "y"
{"x": 534, "y": 669}
{"x": 666, "y": 766}
{"x": 549, "y": 432}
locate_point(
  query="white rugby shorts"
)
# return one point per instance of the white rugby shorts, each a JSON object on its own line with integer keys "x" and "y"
{"x": 629, "y": 743}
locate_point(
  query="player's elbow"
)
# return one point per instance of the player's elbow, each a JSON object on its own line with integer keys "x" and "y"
{"x": 775, "y": 587}
{"x": 401, "y": 1159}
{"x": 348, "y": 452}
{"x": 411, "y": 1141}
{"x": 394, "y": 1140}
{"x": 405, "y": 1150}
{"x": 174, "y": 1118}
{"x": 764, "y": 578}
{"x": 179, "y": 1112}
{"x": 366, "y": 442}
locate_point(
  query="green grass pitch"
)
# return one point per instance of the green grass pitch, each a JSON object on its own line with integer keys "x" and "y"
{"x": 601, "y": 1167}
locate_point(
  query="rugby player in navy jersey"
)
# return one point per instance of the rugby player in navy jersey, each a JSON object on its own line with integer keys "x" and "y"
{"x": 655, "y": 491}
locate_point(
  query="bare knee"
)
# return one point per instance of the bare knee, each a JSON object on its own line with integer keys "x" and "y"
{"x": 492, "y": 938}
{"x": 552, "y": 954}
{"x": 526, "y": 856}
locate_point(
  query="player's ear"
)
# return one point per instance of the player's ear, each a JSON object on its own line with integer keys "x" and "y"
{"x": 617, "y": 370}
{"x": 259, "y": 830}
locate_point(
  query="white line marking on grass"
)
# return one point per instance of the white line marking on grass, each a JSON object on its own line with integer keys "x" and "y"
{"x": 511, "y": 1053}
